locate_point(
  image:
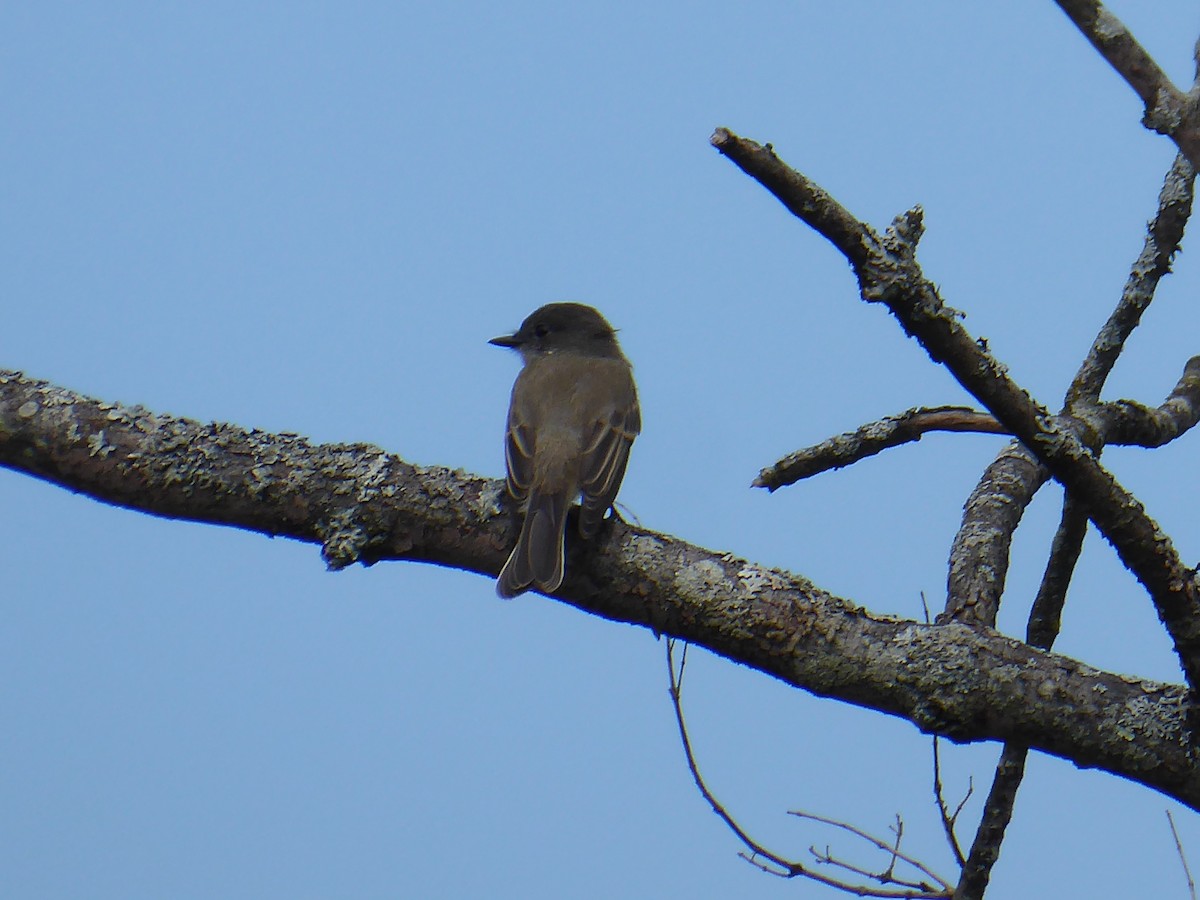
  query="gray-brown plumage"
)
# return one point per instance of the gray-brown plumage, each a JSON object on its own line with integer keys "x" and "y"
{"x": 573, "y": 416}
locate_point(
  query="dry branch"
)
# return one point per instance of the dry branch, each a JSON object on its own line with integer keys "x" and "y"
{"x": 980, "y": 551}
{"x": 949, "y": 819}
{"x": 775, "y": 864}
{"x": 1163, "y": 236}
{"x": 875, "y": 437}
{"x": 888, "y": 273}
{"x": 362, "y": 504}
{"x": 1168, "y": 110}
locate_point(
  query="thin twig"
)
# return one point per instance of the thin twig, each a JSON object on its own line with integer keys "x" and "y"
{"x": 1182, "y": 858}
{"x": 766, "y": 867}
{"x": 676, "y": 687}
{"x": 771, "y": 862}
{"x": 948, "y": 819}
{"x": 898, "y": 830}
{"x": 827, "y": 858}
{"x": 886, "y": 846}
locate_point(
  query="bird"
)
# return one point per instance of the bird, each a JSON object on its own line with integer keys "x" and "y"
{"x": 572, "y": 418}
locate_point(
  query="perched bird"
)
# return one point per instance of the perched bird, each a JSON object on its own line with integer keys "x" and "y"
{"x": 572, "y": 418}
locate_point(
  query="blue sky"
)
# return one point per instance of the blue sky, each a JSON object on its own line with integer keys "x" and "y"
{"x": 311, "y": 217}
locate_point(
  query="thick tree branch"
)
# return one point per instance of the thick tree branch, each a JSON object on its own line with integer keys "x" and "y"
{"x": 362, "y": 504}
{"x": 980, "y": 551}
{"x": 888, "y": 273}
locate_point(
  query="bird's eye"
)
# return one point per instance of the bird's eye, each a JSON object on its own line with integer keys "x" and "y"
{"x": 541, "y": 330}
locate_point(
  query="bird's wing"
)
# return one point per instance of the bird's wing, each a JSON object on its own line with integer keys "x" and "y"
{"x": 518, "y": 456}
{"x": 605, "y": 455}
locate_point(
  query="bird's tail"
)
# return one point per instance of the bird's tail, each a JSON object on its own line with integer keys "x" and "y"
{"x": 537, "y": 559}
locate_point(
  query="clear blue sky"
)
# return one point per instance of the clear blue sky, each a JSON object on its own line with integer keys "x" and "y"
{"x": 311, "y": 218}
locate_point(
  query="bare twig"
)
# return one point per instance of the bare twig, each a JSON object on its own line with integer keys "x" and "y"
{"x": 913, "y": 888}
{"x": 898, "y": 831}
{"x": 1182, "y": 858}
{"x": 890, "y": 847}
{"x": 949, "y": 820}
{"x": 788, "y": 868}
{"x": 868, "y": 440}
{"x": 773, "y": 863}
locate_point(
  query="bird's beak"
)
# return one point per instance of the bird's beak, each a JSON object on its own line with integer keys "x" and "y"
{"x": 505, "y": 340}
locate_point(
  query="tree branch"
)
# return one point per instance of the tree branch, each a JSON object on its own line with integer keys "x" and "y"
{"x": 888, "y": 273}
{"x": 771, "y": 862}
{"x": 1044, "y": 619}
{"x": 364, "y": 505}
{"x": 979, "y": 553}
{"x": 1163, "y": 235}
{"x": 1130, "y": 423}
{"x": 875, "y": 437}
{"x": 1121, "y": 422}
{"x": 1168, "y": 111}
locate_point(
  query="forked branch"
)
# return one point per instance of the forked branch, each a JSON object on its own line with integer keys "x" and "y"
{"x": 890, "y": 885}
{"x": 888, "y": 273}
